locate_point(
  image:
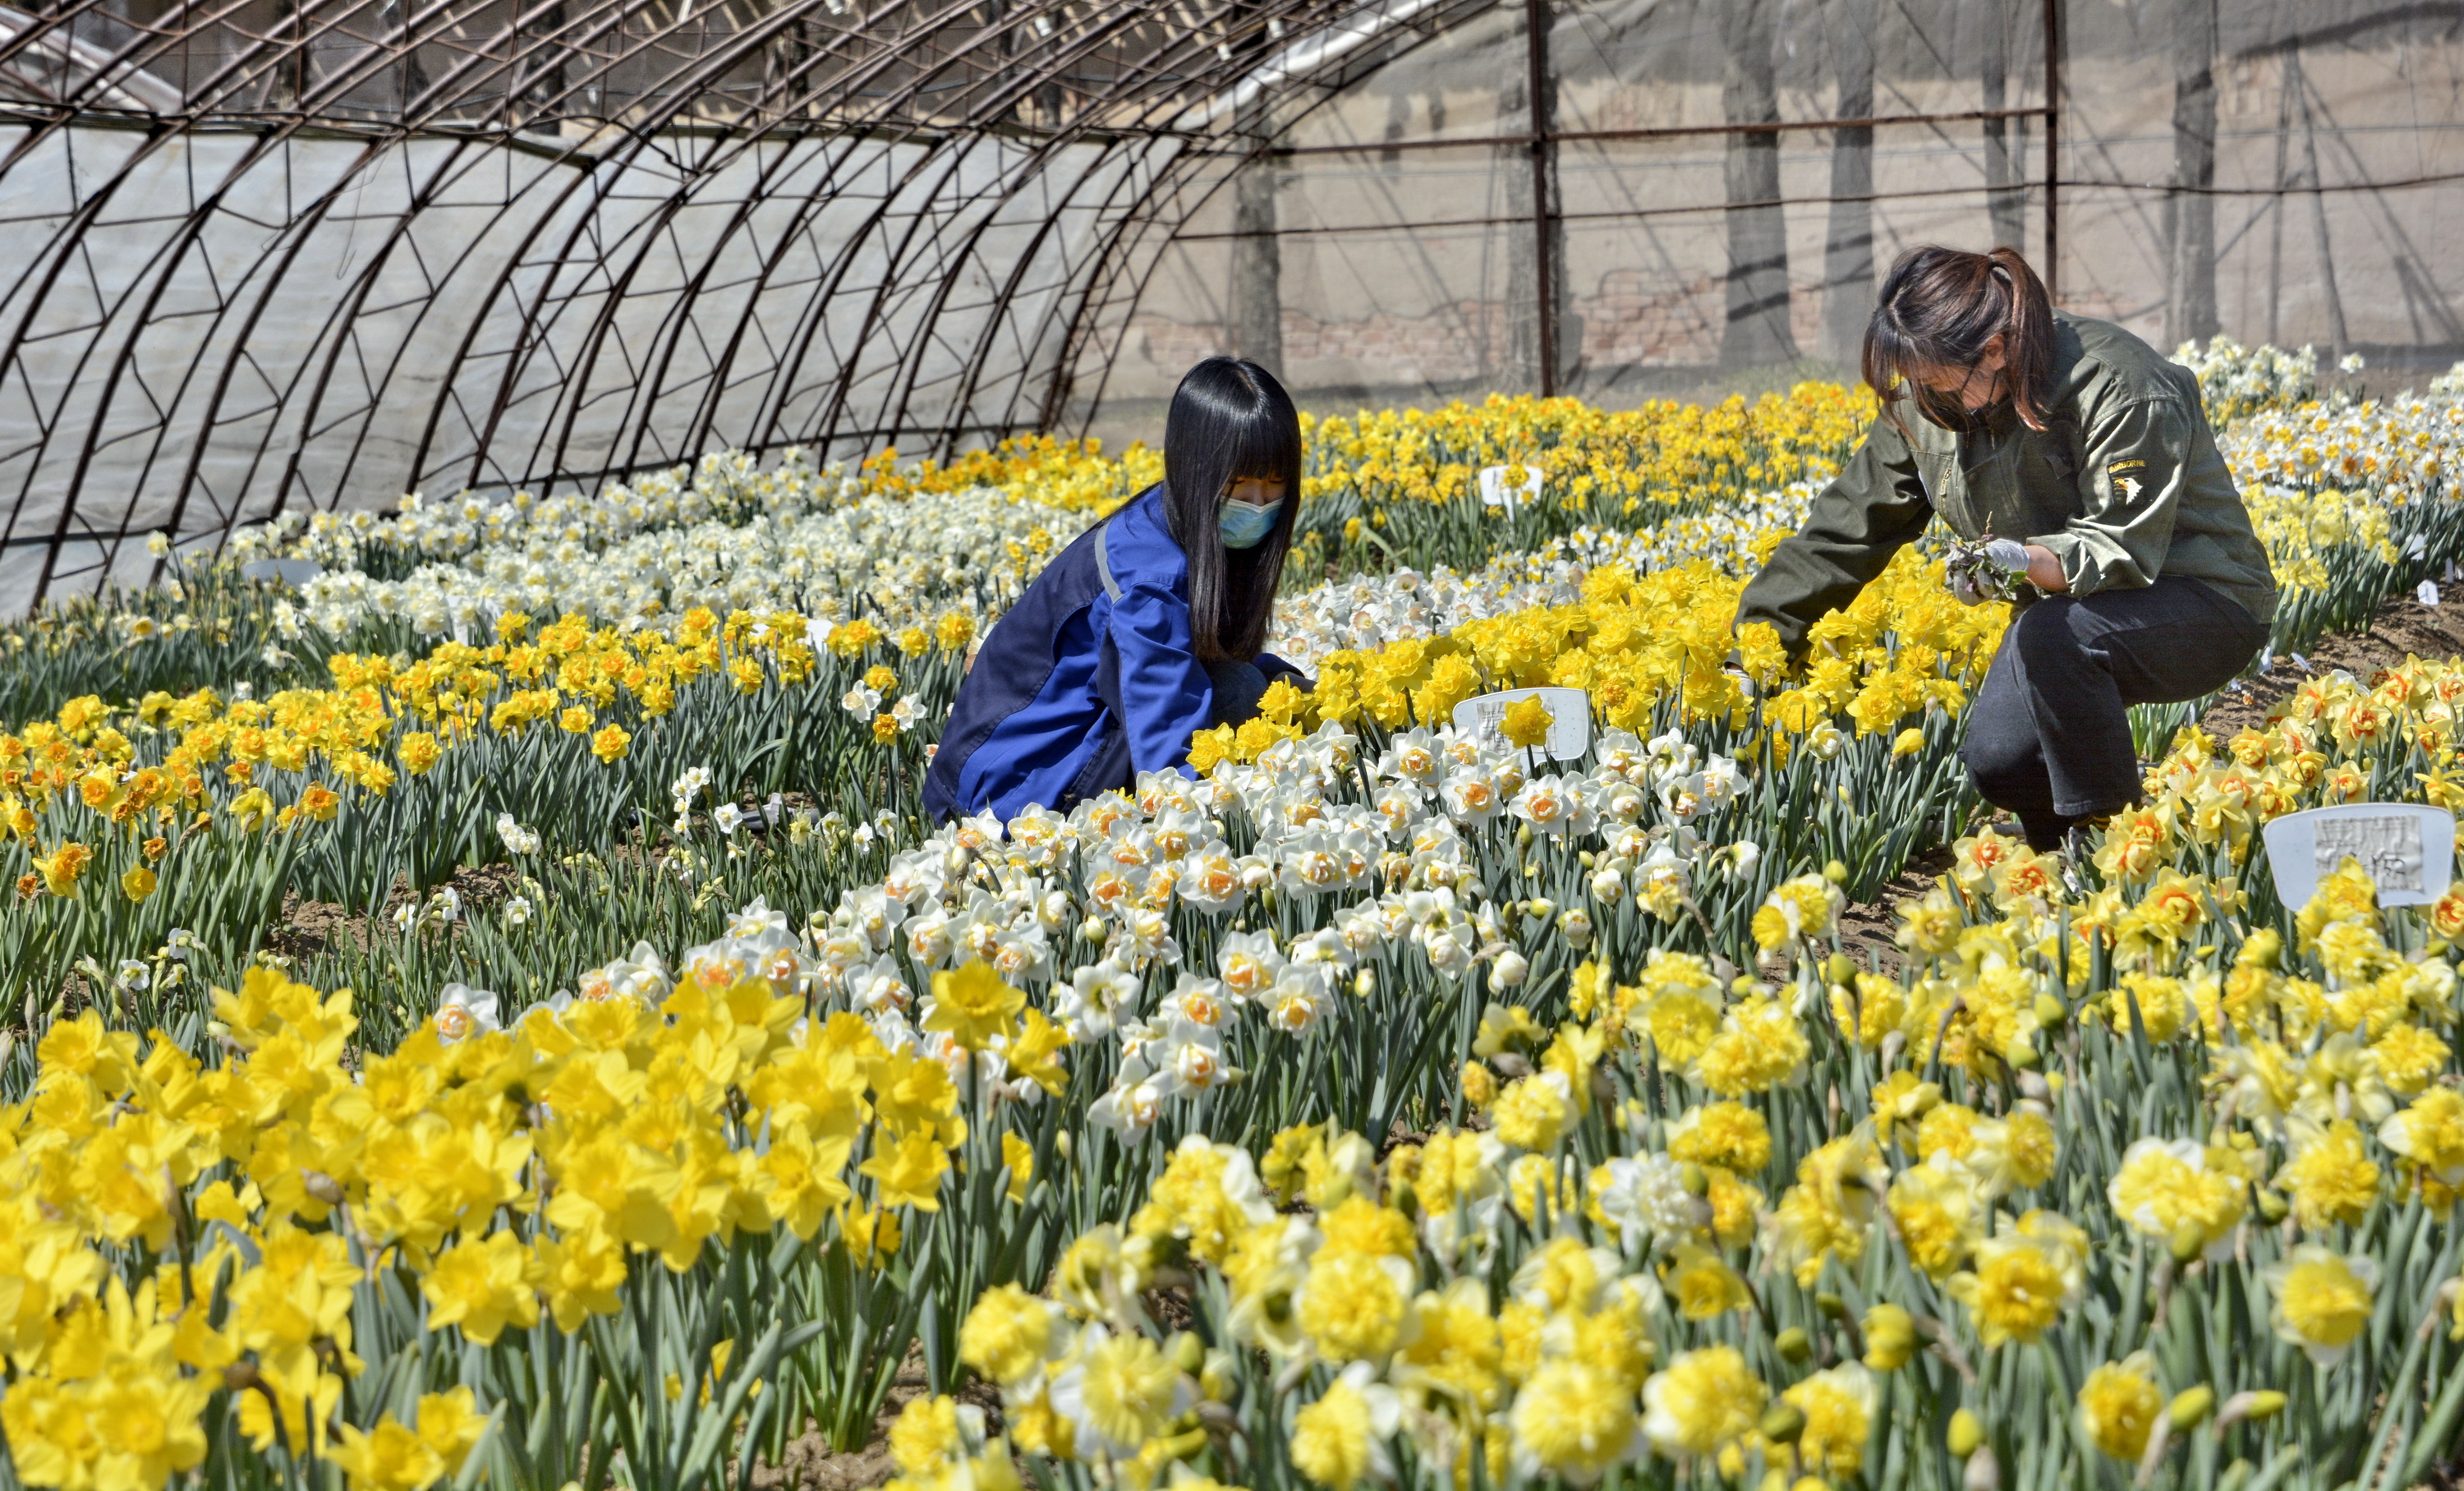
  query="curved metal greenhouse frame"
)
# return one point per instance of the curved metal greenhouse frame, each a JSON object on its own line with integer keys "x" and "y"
{"x": 304, "y": 253}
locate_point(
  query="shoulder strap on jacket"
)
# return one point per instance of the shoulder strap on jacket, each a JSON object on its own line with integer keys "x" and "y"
{"x": 1104, "y": 564}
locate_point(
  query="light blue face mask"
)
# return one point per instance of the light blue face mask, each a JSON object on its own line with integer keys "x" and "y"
{"x": 1243, "y": 524}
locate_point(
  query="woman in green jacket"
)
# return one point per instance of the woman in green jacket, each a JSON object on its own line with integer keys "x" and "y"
{"x": 2081, "y": 461}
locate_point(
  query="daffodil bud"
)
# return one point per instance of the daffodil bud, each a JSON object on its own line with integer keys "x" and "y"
{"x": 1890, "y": 1338}
{"x": 2188, "y": 1242}
{"x": 1697, "y": 1182}
{"x": 1795, "y": 1345}
{"x": 2190, "y": 1408}
{"x": 1831, "y": 1305}
{"x": 1984, "y": 1472}
{"x": 1835, "y": 872}
{"x": 1187, "y": 1351}
{"x": 2251, "y": 1407}
{"x": 1967, "y": 1432}
{"x": 1220, "y": 1382}
{"x": 1091, "y": 930}
{"x": 2271, "y": 1204}
{"x": 2051, "y": 1012}
{"x": 1365, "y": 983}
{"x": 1782, "y": 1422}
{"x": 2021, "y": 1056}
{"x": 1841, "y": 969}
{"x": 2236, "y": 1476}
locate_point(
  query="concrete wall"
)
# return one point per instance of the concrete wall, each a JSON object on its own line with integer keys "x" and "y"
{"x": 1393, "y": 281}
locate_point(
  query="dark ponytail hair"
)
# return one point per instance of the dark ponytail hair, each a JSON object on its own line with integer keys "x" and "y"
{"x": 1229, "y": 419}
{"x": 1939, "y": 309}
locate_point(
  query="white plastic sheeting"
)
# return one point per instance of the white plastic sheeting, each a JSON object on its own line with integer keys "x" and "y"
{"x": 202, "y": 327}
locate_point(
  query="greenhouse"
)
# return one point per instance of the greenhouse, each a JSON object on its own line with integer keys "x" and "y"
{"x": 1241, "y": 744}
{"x": 312, "y": 259}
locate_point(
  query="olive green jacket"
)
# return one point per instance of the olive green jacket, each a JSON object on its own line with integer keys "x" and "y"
{"x": 2126, "y": 485}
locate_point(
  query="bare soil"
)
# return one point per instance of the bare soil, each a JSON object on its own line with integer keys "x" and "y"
{"x": 810, "y": 1464}
{"x": 2403, "y": 628}
{"x": 308, "y": 927}
{"x": 1867, "y": 928}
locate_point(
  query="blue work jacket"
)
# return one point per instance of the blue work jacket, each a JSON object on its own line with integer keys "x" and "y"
{"x": 1091, "y": 679}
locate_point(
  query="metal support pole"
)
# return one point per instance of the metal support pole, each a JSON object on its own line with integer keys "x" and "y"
{"x": 1536, "y": 42}
{"x": 2053, "y": 150}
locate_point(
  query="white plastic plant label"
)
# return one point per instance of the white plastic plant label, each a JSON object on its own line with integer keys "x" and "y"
{"x": 1570, "y": 719}
{"x": 292, "y": 572}
{"x": 1509, "y": 486}
{"x": 2408, "y": 848}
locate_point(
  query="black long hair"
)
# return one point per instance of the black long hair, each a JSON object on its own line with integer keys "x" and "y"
{"x": 1229, "y": 419}
{"x": 1940, "y": 307}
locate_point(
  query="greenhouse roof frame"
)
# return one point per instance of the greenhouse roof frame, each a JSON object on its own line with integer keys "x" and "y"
{"x": 597, "y": 96}
{"x": 284, "y": 255}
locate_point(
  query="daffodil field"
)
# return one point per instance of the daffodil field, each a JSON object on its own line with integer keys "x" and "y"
{"x": 493, "y": 1012}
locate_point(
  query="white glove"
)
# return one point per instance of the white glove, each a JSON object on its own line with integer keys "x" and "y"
{"x": 1988, "y": 569}
{"x": 2008, "y": 553}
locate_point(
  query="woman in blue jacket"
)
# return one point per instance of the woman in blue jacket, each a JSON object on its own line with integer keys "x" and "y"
{"x": 1146, "y": 629}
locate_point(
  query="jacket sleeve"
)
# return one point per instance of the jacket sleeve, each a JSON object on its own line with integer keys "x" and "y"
{"x": 1166, "y": 693}
{"x": 1874, "y": 506}
{"x": 2130, "y": 491}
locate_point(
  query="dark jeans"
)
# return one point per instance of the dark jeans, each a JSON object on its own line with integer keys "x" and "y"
{"x": 2048, "y": 734}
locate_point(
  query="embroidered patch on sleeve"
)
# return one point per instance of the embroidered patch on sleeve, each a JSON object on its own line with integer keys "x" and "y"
{"x": 2134, "y": 466}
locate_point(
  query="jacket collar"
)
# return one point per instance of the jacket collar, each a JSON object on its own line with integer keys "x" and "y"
{"x": 2072, "y": 367}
